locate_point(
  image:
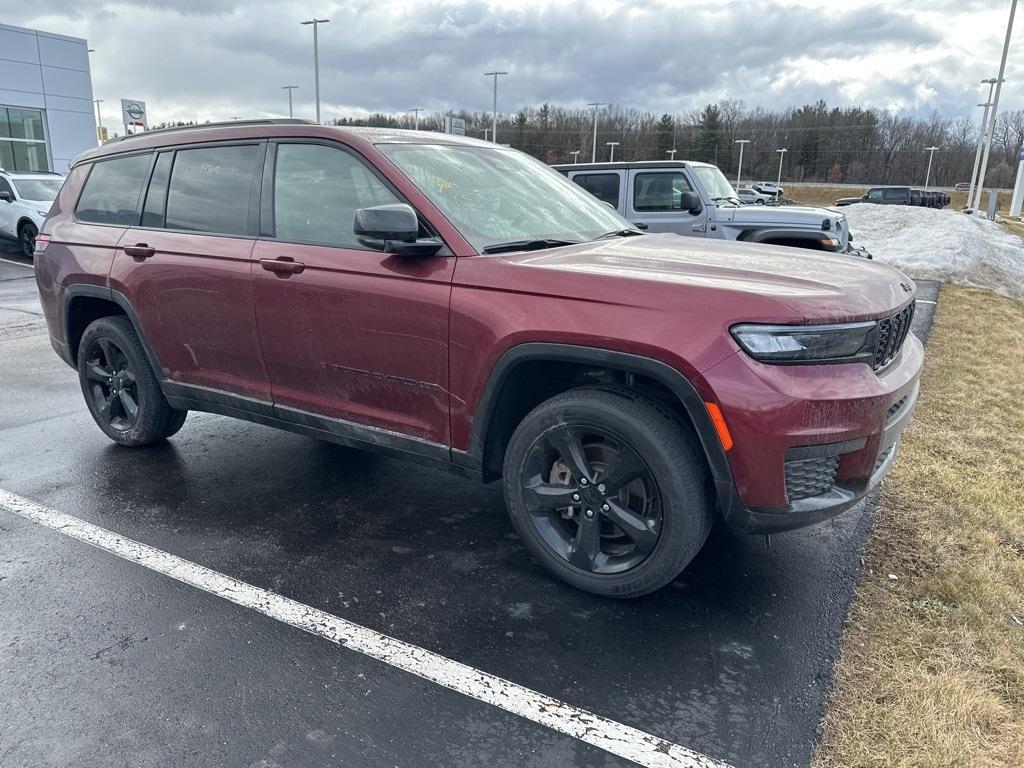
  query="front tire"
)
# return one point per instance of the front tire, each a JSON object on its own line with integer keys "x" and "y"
{"x": 606, "y": 491}
{"x": 120, "y": 386}
{"x": 27, "y": 239}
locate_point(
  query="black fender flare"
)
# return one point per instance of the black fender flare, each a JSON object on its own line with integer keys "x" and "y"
{"x": 758, "y": 235}
{"x": 77, "y": 290}
{"x": 676, "y": 382}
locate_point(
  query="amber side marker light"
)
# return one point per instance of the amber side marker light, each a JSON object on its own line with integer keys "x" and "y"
{"x": 720, "y": 426}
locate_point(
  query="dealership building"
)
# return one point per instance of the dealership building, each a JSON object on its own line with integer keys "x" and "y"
{"x": 46, "y": 106}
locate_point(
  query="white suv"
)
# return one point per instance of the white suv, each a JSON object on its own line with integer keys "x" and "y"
{"x": 25, "y": 199}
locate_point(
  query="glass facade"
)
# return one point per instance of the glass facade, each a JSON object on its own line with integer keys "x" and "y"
{"x": 22, "y": 140}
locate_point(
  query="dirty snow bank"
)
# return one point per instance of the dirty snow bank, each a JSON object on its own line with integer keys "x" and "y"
{"x": 941, "y": 245}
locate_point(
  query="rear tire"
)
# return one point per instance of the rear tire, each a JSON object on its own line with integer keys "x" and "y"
{"x": 607, "y": 491}
{"x": 121, "y": 388}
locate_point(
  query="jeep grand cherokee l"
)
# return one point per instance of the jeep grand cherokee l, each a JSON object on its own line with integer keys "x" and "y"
{"x": 453, "y": 302}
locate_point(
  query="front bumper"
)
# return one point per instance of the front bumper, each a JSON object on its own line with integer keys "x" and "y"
{"x": 847, "y": 416}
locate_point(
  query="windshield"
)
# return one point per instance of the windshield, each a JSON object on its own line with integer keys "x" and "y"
{"x": 495, "y": 195}
{"x": 714, "y": 183}
{"x": 38, "y": 189}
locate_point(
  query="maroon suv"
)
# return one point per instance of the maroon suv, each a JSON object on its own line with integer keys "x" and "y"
{"x": 453, "y": 302}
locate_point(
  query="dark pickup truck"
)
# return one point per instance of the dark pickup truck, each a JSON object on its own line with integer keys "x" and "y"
{"x": 898, "y": 196}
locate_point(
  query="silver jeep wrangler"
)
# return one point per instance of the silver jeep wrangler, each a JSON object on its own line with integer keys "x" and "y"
{"x": 696, "y": 200}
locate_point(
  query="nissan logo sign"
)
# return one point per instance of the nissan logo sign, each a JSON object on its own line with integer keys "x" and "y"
{"x": 135, "y": 111}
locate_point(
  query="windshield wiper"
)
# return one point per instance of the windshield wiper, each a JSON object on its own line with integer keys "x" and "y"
{"x": 727, "y": 199}
{"x": 527, "y": 245}
{"x": 619, "y": 233}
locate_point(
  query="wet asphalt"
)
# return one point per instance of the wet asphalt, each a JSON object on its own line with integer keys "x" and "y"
{"x": 104, "y": 663}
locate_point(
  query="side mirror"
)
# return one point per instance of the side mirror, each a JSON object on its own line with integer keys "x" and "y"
{"x": 393, "y": 229}
{"x": 690, "y": 202}
{"x": 6, "y": 196}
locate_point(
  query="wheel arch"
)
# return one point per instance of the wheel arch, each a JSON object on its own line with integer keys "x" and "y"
{"x": 795, "y": 238}
{"x": 505, "y": 399}
{"x": 84, "y": 304}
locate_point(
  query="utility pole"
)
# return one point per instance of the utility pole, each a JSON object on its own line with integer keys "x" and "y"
{"x": 995, "y": 108}
{"x": 928, "y": 173}
{"x": 671, "y": 154}
{"x": 416, "y": 111}
{"x": 316, "y": 61}
{"x": 739, "y": 171}
{"x": 575, "y": 156}
{"x": 494, "y": 124}
{"x": 289, "y": 88}
{"x": 981, "y": 140}
{"x": 782, "y": 153}
{"x": 593, "y": 149}
{"x": 611, "y": 151}
{"x": 99, "y": 119}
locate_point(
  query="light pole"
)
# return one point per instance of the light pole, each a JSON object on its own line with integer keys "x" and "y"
{"x": 593, "y": 149}
{"x": 995, "y": 108}
{"x": 928, "y": 173}
{"x": 671, "y": 154}
{"x": 981, "y": 140}
{"x": 99, "y": 117}
{"x": 316, "y": 61}
{"x": 416, "y": 111}
{"x": 289, "y": 88}
{"x": 782, "y": 153}
{"x": 611, "y": 150}
{"x": 575, "y": 156}
{"x": 494, "y": 124}
{"x": 739, "y": 171}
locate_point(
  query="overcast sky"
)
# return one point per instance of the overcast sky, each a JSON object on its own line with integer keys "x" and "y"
{"x": 213, "y": 59}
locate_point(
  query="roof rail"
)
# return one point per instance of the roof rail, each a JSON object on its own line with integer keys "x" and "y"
{"x": 224, "y": 124}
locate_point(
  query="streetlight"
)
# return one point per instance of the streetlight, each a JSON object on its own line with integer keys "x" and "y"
{"x": 611, "y": 151}
{"x": 671, "y": 153}
{"x": 981, "y": 139}
{"x": 316, "y": 61}
{"x": 99, "y": 117}
{"x": 928, "y": 173}
{"x": 782, "y": 153}
{"x": 575, "y": 156}
{"x": 494, "y": 123}
{"x": 995, "y": 108}
{"x": 289, "y": 88}
{"x": 593, "y": 149}
{"x": 739, "y": 171}
{"x": 416, "y": 111}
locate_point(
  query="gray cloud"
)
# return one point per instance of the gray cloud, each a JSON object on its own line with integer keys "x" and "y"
{"x": 218, "y": 58}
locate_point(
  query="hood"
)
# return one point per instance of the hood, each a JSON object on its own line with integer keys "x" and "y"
{"x": 813, "y": 285}
{"x": 781, "y": 215}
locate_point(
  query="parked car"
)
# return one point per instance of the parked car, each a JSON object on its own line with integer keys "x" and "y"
{"x": 456, "y": 303}
{"x": 962, "y": 186}
{"x": 24, "y": 200}
{"x": 880, "y": 196}
{"x": 696, "y": 200}
{"x": 753, "y": 197}
{"x": 769, "y": 188}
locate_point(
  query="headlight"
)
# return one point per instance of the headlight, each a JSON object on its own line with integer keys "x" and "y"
{"x": 794, "y": 344}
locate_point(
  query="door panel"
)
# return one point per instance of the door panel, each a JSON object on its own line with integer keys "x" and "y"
{"x": 652, "y": 198}
{"x": 345, "y": 331}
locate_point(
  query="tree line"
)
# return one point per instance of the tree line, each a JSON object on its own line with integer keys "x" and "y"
{"x": 824, "y": 144}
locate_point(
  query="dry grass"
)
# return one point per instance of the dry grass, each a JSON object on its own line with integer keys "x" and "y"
{"x": 1014, "y": 225}
{"x": 932, "y": 669}
{"x": 812, "y": 195}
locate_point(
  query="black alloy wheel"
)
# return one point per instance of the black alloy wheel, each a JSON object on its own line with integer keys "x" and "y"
{"x": 592, "y": 499}
{"x": 112, "y": 383}
{"x": 27, "y": 239}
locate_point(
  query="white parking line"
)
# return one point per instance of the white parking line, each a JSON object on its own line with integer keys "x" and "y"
{"x": 926, "y": 301}
{"x": 16, "y": 263}
{"x": 618, "y": 739}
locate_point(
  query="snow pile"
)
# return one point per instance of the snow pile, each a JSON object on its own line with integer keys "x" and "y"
{"x": 941, "y": 245}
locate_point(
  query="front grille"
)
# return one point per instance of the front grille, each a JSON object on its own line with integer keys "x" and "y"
{"x": 892, "y": 332}
{"x": 810, "y": 477}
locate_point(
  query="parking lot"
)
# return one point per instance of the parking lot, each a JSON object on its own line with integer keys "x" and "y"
{"x": 109, "y": 662}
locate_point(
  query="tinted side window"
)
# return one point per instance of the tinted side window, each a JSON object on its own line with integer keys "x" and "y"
{"x": 111, "y": 194}
{"x": 5, "y": 187}
{"x": 210, "y": 189}
{"x": 603, "y": 186}
{"x": 659, "y": 191}
{"x": 156, "y": 197}
{"x": 895, "y": 194}
{"x": 874, "y": 194}
{"x": 317, "y": 190}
